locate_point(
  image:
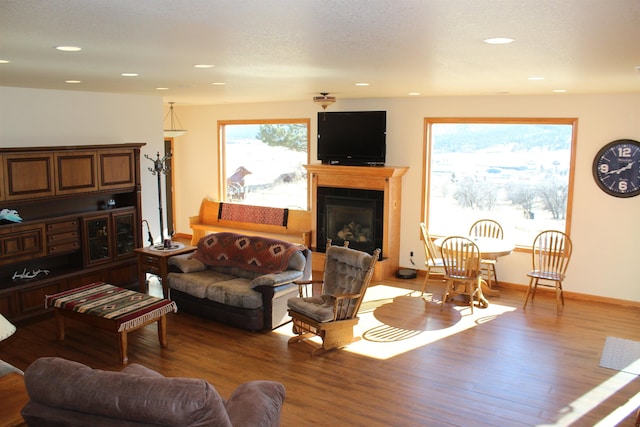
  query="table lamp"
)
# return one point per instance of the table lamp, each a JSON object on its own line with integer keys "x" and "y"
{"x": 6, "y": 328}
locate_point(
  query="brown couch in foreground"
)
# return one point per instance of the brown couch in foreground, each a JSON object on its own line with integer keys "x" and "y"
{"x": 67, "y": 393}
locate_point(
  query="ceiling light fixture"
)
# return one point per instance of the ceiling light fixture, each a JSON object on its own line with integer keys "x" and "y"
{"x": 172, "y": 132}
{"x": 69, "y": 48}
{"x": 499, "y": 40}
{"x": 324, "y": 100}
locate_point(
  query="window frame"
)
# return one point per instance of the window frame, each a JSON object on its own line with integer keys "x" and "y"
{"x": 427, "y": 155}
{"x": 222, "y": 169}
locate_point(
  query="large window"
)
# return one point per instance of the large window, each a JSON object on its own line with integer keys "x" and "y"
{"x": 262, "y": 162}
{"x": 516, "y": 171}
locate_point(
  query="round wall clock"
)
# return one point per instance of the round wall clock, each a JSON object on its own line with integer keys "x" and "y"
{"x": 616, "y": 168}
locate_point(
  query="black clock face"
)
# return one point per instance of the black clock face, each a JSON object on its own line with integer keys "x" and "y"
{"x": 616, "y": 168}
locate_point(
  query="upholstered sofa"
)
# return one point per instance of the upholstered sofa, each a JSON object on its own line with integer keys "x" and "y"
{"x": 65, "y": 393}
{"x": 240, "y": 280}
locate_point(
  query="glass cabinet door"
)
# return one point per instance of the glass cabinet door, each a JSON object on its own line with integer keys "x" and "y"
{"x": 97, "y": 233}
{"x": 124, "y": 226}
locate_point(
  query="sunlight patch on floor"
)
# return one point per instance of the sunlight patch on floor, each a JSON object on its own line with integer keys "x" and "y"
{"x": 585, "y": 403}
{"x": 385, "y": 335}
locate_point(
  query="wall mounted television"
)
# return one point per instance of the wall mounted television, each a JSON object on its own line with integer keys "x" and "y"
{"x": 353, "y": 138}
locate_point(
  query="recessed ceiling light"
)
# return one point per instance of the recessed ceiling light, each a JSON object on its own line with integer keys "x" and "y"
{"x": 129, "y": 74}
{"x": 499, "y": 40}
{"x": 362, "y": 84}
{"x": 4, "y": 61}
{"x": 534, "y": 78}
{"x": 69, "y": 48}
{"x": 219, "y": 83}
{"x": 414, "y": 93}
{"x": 162, "y": 88}
{"x": 559, "y": 90}
{"x": 203, "y": 66}
{"x": 73, "y": 81}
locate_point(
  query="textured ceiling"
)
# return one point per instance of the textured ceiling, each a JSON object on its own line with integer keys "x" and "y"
{"x": 282, "y": 50}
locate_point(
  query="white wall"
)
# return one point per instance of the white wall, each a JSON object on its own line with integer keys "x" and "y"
{"x": 43, "y": 118}
{"x": 605, "y": 230}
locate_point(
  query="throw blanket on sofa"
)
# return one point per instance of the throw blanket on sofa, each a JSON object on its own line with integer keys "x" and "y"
{"x": 253, "y": 253}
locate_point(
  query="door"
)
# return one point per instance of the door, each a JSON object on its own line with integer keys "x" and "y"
{"x": 171, "y": 226}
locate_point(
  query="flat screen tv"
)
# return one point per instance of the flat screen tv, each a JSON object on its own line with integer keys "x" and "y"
{"x": 354, "y": 138}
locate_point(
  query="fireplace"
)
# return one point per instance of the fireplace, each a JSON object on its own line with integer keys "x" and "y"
{"x": 350, "y": 214}
{"x": 357, "y": 184}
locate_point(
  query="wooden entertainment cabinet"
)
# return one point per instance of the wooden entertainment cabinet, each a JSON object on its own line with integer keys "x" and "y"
{"x": 387, "y": 179}
{"x": 68, "y": 226}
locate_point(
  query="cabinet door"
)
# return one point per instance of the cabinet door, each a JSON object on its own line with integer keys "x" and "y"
{"x": 77, "y": 172}
{"x": 8, "y": 304}
{"x": 31, "y": 299}
{"x": 125, "y": 232}
{"x": 117, "y": 169}
{"x": 96, "y": 234}
{"x": 1, "y": 177}
{"x": 28, "y": 175}
{"x": 19, "y": 242}
{"x": 123, "y": 275}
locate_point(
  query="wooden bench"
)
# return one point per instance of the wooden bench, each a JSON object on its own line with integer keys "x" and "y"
{"x": 297, "y": 230}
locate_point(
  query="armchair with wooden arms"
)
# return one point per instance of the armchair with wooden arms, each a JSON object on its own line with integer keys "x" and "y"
{"x": 332, "y": 314}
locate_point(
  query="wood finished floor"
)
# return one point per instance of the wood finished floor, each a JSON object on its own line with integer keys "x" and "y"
{"x": 416, "y": 366}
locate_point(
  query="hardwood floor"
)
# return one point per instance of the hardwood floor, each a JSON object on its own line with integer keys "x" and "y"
{"x": 417, "y": 365}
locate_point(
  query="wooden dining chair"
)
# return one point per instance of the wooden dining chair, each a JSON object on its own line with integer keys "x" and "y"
{"x": 463, "y": 272}
{"x": 433, "y": 260}
{"x": 492, "y": 229}
{"x": 551, "y": 252}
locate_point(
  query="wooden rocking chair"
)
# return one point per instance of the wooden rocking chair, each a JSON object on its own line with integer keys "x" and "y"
{"x": 333, "y": 314}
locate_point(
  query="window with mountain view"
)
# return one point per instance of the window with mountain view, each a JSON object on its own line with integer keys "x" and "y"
{"x": 262, "y": 162}
{"x": 516, "y": 171}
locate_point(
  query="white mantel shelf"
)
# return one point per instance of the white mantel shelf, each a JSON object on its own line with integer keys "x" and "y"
{"x": 382, "y": 178}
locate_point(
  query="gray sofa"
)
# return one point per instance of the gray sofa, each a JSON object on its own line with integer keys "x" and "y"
{"x": 240, "y": 280}
{"x": 64, "y": 393}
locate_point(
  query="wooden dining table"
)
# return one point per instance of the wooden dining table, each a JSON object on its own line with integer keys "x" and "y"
{"x": 490, "y": 248}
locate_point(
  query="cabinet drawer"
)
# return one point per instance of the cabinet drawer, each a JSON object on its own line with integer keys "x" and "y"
{"x": 64, "y": 247}
{"x": 63, "y": 237}
{"x": 58, "y": 227}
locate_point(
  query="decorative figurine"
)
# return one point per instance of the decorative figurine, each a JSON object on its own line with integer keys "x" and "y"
{"x": 10, "y": 215}
{"x": 29, "y": 274}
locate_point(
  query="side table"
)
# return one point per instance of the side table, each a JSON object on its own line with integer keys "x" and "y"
{"x": 13, "y": 396}
{"x": 156, "y": 261}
